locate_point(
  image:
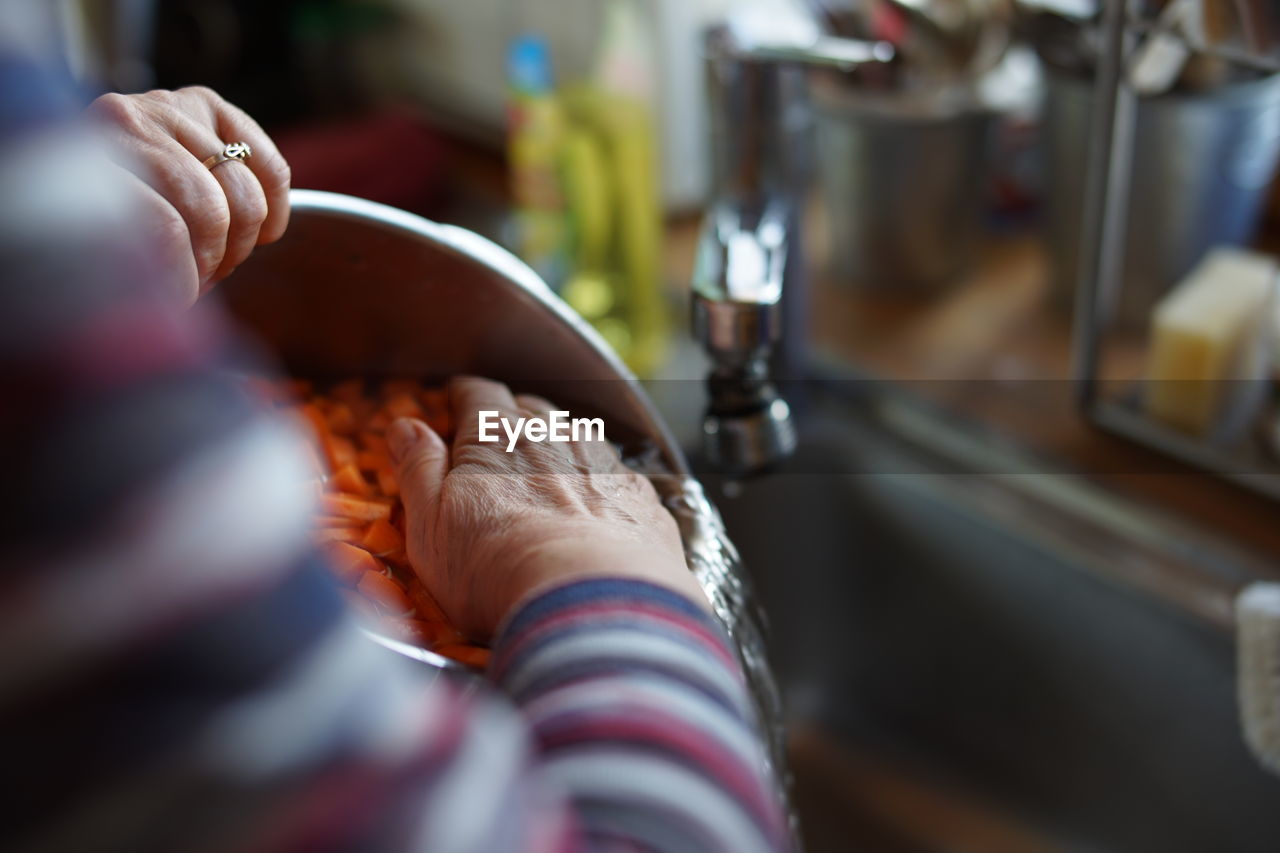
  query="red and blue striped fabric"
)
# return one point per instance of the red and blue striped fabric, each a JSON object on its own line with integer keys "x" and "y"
{"x": 177, "y": 670}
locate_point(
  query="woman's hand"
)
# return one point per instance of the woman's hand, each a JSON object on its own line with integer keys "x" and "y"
{"x": 486, "y": 527}
{"x": 207, "y": 221}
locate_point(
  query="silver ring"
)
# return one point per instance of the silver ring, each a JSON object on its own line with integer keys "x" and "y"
{"x": 233, "y": 151}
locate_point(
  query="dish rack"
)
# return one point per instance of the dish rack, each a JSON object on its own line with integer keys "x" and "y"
{"x": 1115, "y": 405}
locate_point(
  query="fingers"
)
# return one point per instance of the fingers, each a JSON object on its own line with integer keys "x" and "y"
{"x": 169, "y": 235}
{"x": 470, "y": 395}
{"x": 194, "y": 125}
{"x": 267, "y": 165}
{"x": 170, "y": 170}
{"x": 422, "y": 461}
{"x": 531, "y": 404}
{"x": 227, "y": 210}
{"x": 246, "y": 202}
{"x": 248, "y": 207}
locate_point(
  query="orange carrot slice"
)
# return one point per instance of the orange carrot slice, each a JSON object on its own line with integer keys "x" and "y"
{"x": 373, "y": 442}
{"x": 351, "y": 506}
{"x": 387, "y": 483}
{"x": 350, "y": 563}
{"x": 339, "y": 451}
{"x": 339, "y": 534}
{"x": 435, "y": 400}
{"x": 441, "y": 424}
{"x": 402, "y": 405}
{"x": 385, "y": 592}
{"x": 347, "y": 479}
{"x": 382, "y": 538}
{"x": 368, "y": 460}
{"x": 341, "y": 418}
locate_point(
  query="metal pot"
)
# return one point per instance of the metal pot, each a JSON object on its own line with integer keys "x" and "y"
{"x": 1201, "y": 167}
{"x": 360, "y": 289}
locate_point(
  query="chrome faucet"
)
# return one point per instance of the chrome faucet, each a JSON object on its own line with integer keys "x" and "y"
{"x": 748, "y": 272}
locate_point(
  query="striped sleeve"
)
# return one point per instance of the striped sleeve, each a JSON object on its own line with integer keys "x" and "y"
{"x": 177, "y": 669}
{"x": 640, "y": 712}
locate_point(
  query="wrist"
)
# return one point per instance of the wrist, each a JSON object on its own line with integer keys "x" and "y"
{"x": 562, "y": 562}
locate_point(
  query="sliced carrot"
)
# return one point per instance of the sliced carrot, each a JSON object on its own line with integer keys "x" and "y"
{"x": 399, "y": 559}
{"x": 349, "y": 562}
{"x": 347, "y": 479}
{"x": 384, "y": 592}
{"x": 341, "y": 418}
{"x": 351, "y": 506}
{"x": 382, "y": 538}
{"x": 474, "y": 656}
{"x": 360, "y": 520}
{"x": 387, "y": 483}
{"x": 441, "y": 423}
{"x": 373, "y": 442}
{"x": 339, "y": 451}
{"x": 435, "y": 405}
{"x": 339, "y": 534}
{"x": 368, "y": 460}
{"x": 402, "y": 405}
{"x": 435, "y": 400}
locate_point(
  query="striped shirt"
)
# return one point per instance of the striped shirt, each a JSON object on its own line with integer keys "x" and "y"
{"x": 177, "y": 668}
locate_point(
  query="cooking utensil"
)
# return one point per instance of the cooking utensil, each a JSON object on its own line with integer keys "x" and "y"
{"x": 360, "y": 289}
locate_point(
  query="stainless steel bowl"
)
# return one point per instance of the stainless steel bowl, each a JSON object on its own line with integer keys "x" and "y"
{"x": 360, "y": 289}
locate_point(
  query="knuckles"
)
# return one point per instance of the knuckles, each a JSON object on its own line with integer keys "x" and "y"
{"x": 123, "y": 111}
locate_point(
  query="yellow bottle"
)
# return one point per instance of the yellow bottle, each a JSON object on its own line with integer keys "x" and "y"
{"x": 609, "y": 179}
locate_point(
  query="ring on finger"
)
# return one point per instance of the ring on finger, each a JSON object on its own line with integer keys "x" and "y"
{"x": 231, "y": 151}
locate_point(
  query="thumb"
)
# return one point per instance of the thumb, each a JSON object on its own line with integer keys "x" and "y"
{"x": 422, "y": 460}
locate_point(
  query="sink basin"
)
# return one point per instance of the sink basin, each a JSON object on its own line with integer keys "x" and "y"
{"x": 954, "y": 681}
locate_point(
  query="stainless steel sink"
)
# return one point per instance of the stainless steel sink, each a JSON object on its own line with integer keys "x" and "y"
{"x": 962, "y": 674}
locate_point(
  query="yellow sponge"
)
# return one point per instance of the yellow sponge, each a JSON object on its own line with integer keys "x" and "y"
{"x": 1209, "y": 340}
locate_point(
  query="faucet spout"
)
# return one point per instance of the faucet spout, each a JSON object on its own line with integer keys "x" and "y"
{"x": 737, "y": 314}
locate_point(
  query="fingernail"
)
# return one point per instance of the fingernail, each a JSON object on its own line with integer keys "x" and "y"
{"x": 402, "y": 435}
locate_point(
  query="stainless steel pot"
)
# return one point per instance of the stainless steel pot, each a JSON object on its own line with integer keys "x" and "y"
{"x": 360, "y": 289}
{"x": 1201, "y": 167}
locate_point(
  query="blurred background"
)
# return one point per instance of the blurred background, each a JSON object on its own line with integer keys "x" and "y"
{"x": 987, "y": 288}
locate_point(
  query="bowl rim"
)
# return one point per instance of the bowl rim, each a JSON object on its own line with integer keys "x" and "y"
{"x": 504, "y": 264}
